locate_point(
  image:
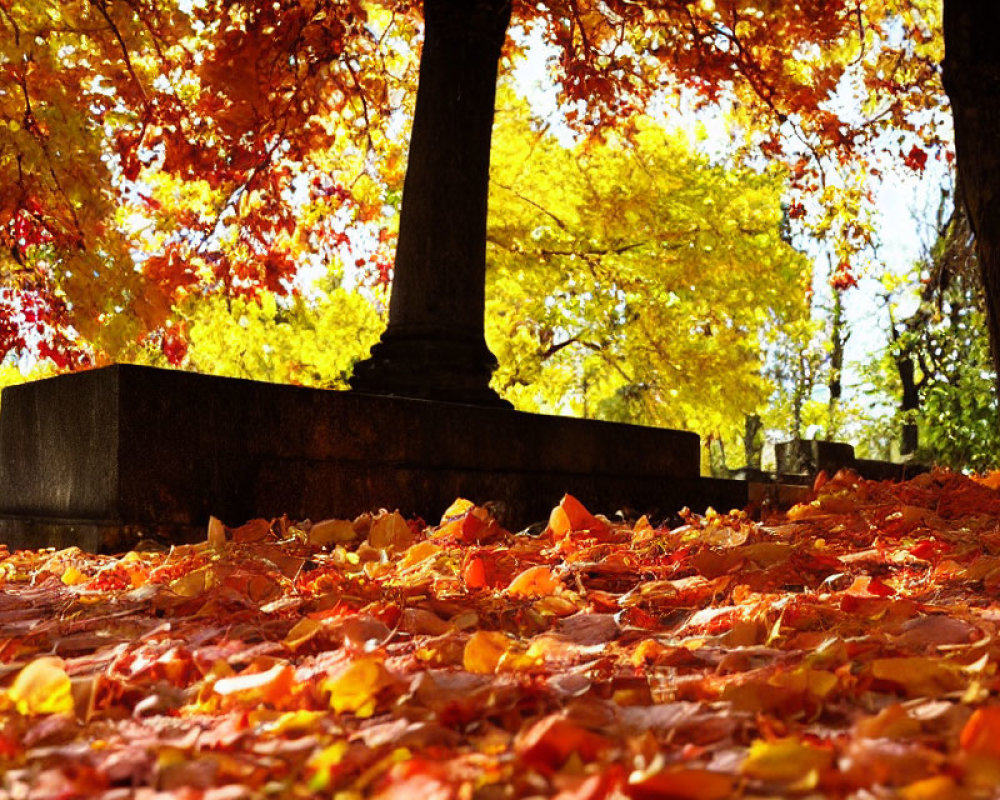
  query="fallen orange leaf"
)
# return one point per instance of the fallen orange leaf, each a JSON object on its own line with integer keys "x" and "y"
{"x": 681, "y": 784}
{"x": 549, "y": 742}
{"x": 535, "y": 581}
{"x": 571, "y": 516}
{"x": 981, "y": 734}
{"x": 483, "y": 651}
{"x": 271, "y": 686}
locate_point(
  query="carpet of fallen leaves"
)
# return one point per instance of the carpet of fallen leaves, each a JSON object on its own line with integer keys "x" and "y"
{"x": 847, "y": 648}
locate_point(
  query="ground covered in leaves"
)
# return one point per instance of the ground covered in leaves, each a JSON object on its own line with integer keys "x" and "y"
{"x": 845, "y": 649}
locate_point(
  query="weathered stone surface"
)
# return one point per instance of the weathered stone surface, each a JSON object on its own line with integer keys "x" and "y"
{"x": 765, "y": 497}
{"x": 21, "y": 533}
{"x": 127, "y": 452}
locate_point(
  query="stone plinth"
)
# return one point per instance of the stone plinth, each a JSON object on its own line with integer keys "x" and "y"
{"x": 103, "y": 458}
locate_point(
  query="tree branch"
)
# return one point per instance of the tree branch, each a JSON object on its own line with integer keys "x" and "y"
{"x": 531, "y": 203}
{"x": 101, "y": 6}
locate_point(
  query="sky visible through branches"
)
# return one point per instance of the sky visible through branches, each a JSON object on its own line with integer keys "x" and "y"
{"x": 906, "y": 205}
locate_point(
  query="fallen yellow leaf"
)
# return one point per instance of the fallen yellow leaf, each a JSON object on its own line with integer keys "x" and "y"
{"x": 216, "y": 533}
{"x": 42, "y": 687}
{"x": 332, "y": 531}
{"x": 73, "y": 577}
{"x": 786, "y": 761}
{"x": 919, "y": 676}
{"x": 418, "y": 553}
{"x": 459, "y": 508}
{"x": 940, "y": 787}
{"x": 301, "y": 632}
{"x": 355, "y": 688}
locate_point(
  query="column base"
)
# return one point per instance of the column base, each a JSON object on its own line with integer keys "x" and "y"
{"x": 429, "y": 367}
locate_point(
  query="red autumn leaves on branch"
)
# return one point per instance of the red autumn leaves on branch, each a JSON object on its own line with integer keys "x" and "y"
{"x": 157, "y": 153}
{"x": 846, "y": 647}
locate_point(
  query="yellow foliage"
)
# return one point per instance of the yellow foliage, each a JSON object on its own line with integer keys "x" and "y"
{"x": 626, "y": 278}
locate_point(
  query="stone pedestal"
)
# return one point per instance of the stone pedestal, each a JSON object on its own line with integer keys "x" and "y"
{"x": 106, "y": 457}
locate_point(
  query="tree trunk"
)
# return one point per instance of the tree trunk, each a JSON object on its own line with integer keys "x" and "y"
{"x": 838, "y": 339}
{"x": 434, "y": 346}
{"x": 972, "y": 79}
{"x": 910, "y": 403}
{"x": 753, "y": 440}
{"x": 717, "y": 466}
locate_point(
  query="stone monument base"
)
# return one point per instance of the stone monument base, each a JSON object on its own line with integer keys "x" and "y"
{"x": 106, "y": 458}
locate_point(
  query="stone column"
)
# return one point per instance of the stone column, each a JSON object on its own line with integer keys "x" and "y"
{"x": 434, "y": 346}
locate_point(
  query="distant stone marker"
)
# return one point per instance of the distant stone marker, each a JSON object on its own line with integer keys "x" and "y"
{"x": 808, "y": 457}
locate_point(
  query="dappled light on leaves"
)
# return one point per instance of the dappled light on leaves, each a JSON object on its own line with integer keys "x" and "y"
{"x": 847, "y": 648}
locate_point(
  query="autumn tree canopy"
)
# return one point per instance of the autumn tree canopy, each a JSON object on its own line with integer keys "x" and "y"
{"x": 155, "y": 151}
